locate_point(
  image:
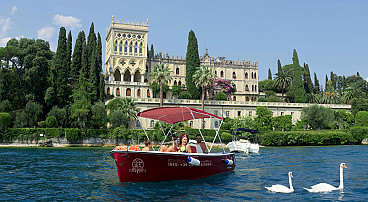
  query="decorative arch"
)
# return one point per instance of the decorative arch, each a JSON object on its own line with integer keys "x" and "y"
{"x": 108, "y": 90}
{"x": 117, "y": 75}
{"x": 135, "y": 47}
{"x": 175, "y": 83}
{"x": 139, "y": 92}
{"x": 121, "y": 47}
{"x": 246, "y": 75}
{"x": 118, "y": 92}
{"x": 179, "y": 83}
{"x": 140, "y": 47}
{"x": 127, "y": 76}
{"x": 130, "y": 47}
{"x": 177, "y": 71}
{"x": 116, "y": 46}
{"x": 137, "y": 76}
{"x": 128, "y": 92}
{"x": 126, "y": 47}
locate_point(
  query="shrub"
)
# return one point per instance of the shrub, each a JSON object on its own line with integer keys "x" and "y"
{"x": 359, "y": 133}
{"x": 185, "y": 95}
{"x": 5, "y": 120}
{"x": 361, "y": 118}
{"x": 221, "y": 96}
{"x": 226, "y": 137}
{"x": 73, "y": 134}
{"x": 51, "y": 122}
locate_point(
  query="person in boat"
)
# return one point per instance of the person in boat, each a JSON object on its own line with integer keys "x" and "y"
{"x": 200, "y": 143}
{"x": 148, "y": 144}
{"x": 183, "y": 144}
{"x": 171, "y": 148}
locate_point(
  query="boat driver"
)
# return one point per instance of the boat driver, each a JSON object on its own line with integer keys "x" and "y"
{"x": 200, "y": 143}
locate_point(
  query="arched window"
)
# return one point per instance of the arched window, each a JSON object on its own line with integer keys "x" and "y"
{"x": 135, "y": 48}
{"x": 252, "y": 88}
{"x": 252, "y": 99}
{"x": 121, "y": 47}
{"x": 128, "y": 92}
{"x": 125, "y": 47}
{"x": 215, "y": 73}
{"x": 127, "y": 75}
{"x": 255, "y": 99}
{"x": 108, "y": 90}
{"x": 145, "y": 80}
{"x": 222, "y": 74}
{"x": 118, "y": 92}
{"x": 117, "y": 75}
{"x": 116, "y": 46}
{"x": 216, "y": 124}
{"x": 234, "y": 75}
{"x": 177, "y": 70}
{"x": 148, "y": 93}
{"x": 252, "y": 75}
{"x": 130, "y": 47}
{"x": 191, "y": 124}
{"x": 246, "y": 75}
{"x": 246, "y": 98}
{"x": 152, "y": 123}
{"x": 255, "y": 75}
{"x": 140, "y": 48}
{"x": 137, "y": 76}
{"x": 137, "y": 124}
{"x": 234, "y": 98}
{"x": 246, "y": 87}
{"x": 175, "y": 83}
{"x": 139, "y": 92}
{"x": 255, "y": 88}
{"x": 179, "y": 83}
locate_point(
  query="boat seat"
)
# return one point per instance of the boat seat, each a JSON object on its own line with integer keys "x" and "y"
{"x": 195, "y": 148}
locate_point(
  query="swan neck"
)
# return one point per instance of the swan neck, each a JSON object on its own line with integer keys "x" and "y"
{"x": 341, "y": 178}
{"x": 290, "y": 183}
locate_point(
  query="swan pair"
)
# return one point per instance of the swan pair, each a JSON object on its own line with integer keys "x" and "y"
{"x": 321, "y": 187}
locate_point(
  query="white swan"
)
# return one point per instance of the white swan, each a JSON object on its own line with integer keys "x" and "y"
{"x": 282, "y": 188}
{"x": 324, "y": 187}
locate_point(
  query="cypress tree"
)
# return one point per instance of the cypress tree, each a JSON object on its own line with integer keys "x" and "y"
{"x": 99, "y": 66}
{"x": 308, "y": 85}
{"x": 326, "y": 82}
{"x": 333, "y": 78}
{"x": 358, "y": 74}
{"x": 59, "y": 70}
{"x": 102, "y": 96}
{"x": 91, "y": 46}
{"x": 316, "y": 84}
{"x": 298, "y": 84}
{"x": 77, "y": 58}
{"x": 279, "y": 67}
{"x": 93, "y": 79}
{"x": 152, "y": 52}
{"x": 269, "y": 74}
{"x": 69, "y": 51}
{"x": 84, "y": 60}
{"x": 192, "y": 64}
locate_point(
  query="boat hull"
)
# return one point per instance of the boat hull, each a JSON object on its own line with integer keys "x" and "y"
{"x": 139, "y": 166}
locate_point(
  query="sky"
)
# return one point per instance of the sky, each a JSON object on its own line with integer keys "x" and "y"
{"x": 329, "y": 35}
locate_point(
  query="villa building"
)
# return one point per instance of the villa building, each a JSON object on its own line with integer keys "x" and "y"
{"x": 127, "y": 69}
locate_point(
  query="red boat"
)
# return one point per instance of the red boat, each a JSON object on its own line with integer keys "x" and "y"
{"x": 149, "y": 166}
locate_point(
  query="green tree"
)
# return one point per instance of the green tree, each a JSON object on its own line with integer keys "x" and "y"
{"x": 51, "y": 122}
{"x": 99, "y": 115}
{"x": 269, "y": 74}
{"x": 361, "y": 119}
{"x": 77, "y": 58}
{"x": 318, "y": 117}
{"x": 220, "y": 96}
{"x": 5, "y": 121}
{"x": 263, "y": 119}
{"x": 186, "y": 95}
{"x": 118, "y": 118}
{"x": 282, "y": 81}
{"x": 283, "y": 123}
{"x": 176, "y": 90}
{"x": 33, "y": 111}
{"x": 297, "y": 86}
{"x": 308, "y": 84}
{"x": 266, "y": 85}
{"x": 61, "y": 115}
{"x": 161, "y": 75}
{"x": 126, "y": 105}
{"x": 316, "y": 84}
{"x": 192, "y": 64}
{"x": 203, "y": 78}
{"x": 59, "y": 76}
{"x": 279, "y": 67}
{"x": 69, "y": 47}
{"x": 152, "y": 52}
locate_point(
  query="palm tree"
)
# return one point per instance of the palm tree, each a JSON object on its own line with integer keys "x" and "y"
{"x": 283, "y": 80}
{"x": 161, "y": 75}
{"x": 203, "y": 78}
{"x": 126, "y": 105}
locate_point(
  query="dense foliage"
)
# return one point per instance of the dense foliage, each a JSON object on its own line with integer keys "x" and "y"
{"x": 192, "y": 65}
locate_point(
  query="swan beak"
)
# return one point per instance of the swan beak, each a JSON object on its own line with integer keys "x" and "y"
{"x": 291, "y": 175}
{"x": 344, "y": 166}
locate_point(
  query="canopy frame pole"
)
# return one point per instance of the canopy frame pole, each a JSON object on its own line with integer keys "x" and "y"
{"x": 139, "y": 120}
{"x": 199, "y": 130}
{"x": 164, "y": 133}
{"x": 217, "y": 133}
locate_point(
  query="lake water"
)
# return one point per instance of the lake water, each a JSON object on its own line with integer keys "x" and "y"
{"x": 90, "y": 174}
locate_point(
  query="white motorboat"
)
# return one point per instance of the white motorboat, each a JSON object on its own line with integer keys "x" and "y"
{"x": 243, "y": 145}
